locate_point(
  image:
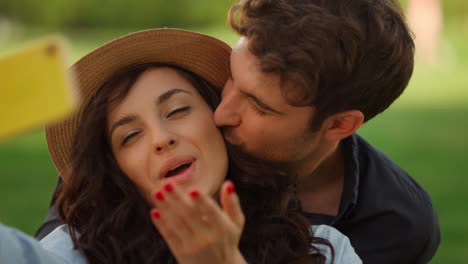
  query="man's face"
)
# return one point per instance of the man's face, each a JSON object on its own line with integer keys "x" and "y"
{"x": 255, "y": 116}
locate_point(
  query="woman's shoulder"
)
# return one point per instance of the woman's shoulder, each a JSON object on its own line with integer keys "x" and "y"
{"x": 20, "y": 248}
{"x": 344, "y": 251}
{"x": 59, "y": 242}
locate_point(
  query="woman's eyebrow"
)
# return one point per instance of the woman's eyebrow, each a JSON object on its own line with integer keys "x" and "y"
{"x": 160, "y": 100}
{"x": 167, "y": 95}
{"x": 121, "y": 122}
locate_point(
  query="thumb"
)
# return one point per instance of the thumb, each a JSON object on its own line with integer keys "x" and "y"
{"x": 231, "y": 204}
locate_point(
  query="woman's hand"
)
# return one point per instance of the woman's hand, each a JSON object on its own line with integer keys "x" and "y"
{"x": 196, "y": 229}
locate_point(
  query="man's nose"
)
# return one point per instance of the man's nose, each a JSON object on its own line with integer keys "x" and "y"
{"x": 228, "y": 113}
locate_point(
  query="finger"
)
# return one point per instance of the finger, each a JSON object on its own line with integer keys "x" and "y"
{"x": 180, "y": 205}
{"x": 209, "y": 216}
{"x": 231, "y": 204}
{"x": 171, "y": 205}
{"x": 171, "y": 238}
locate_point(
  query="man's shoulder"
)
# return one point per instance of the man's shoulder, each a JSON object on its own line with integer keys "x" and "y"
{"x": 381, "y": 178}
{"x": 395, "y": 208}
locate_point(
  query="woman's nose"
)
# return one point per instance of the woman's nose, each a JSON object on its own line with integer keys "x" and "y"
{"x": 163, "y": 141}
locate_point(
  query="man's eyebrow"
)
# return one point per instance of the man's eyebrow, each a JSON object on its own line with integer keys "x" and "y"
{"x": 253, "y": 97}
{"x": 121, "y": 122}
{"x": 260, "y": 103}
{"x": 167, "y": 95}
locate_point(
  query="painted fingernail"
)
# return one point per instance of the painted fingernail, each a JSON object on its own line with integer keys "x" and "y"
{"x": 168, "y": 187}
{"x": 195, "y": 194}
{"x": 159, "y": 196}
{"x": 156, "y": 214}
{"x": 231, "y": 189}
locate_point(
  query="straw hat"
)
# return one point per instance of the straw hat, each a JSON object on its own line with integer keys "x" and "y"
{"x": 201, "y": 54}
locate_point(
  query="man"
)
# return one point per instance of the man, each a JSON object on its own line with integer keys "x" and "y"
{"x": 305, "y": 75}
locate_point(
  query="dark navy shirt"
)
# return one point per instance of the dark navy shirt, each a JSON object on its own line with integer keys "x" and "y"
{"x": 386, "y": 214}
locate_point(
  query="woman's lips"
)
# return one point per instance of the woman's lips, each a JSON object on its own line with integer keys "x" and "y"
{"x": 183, "y": 175}
{"x": 173, "y": 163}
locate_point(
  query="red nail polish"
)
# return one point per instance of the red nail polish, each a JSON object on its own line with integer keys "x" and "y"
{"x": 195, "y": 194}
{"x": 156, "y": 214}
{"x": 159, "y": 196}
{"x": 231, "y": 189}
{"x": 168, "y": 187}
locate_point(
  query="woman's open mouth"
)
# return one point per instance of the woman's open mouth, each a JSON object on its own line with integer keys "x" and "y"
{"x": 179, "y": 171}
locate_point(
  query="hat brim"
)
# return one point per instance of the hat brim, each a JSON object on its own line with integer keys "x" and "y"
{"x": 203, "y": 55}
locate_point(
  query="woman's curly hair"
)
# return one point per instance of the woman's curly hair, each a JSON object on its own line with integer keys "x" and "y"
{"x": 109, "y": 220}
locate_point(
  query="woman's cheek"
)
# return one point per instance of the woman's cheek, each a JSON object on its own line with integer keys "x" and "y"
{"x": 129, "y": 162}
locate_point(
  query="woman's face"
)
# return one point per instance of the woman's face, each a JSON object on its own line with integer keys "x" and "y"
{"x": 163, "y": 131}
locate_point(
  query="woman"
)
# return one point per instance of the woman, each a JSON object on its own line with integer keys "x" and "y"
{"x": 145, "y": 138}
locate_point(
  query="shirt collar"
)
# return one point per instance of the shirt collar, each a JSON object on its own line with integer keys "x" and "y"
{"x": 351, "y": 180}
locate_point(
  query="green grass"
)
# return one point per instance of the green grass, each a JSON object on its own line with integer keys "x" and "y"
{"x": 431, "y": 144}
{"x": 26, "y": 181}
{"x": 425, "y": 132}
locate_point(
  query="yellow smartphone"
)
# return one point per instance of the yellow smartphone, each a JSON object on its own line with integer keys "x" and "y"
{"x": 35, "y": 86}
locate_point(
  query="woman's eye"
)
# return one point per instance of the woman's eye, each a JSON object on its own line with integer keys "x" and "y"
{"x": 128, "y": 137}
{"x": 178, "y": 110}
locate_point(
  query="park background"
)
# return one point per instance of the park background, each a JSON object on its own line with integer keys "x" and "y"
{"x": 425, "y": 131}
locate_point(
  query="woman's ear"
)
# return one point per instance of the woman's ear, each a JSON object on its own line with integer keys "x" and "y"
{"x": 343, "y": 124}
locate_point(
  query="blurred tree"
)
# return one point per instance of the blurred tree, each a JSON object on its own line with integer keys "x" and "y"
{"x": 115, "y": 13}
{"x": 425, "y": 19}
{"x": 63, "y": 14}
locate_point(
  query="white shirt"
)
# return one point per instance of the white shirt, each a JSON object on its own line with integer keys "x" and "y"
{"x": 17, "y": 247}
{"x": 59, "y": 243}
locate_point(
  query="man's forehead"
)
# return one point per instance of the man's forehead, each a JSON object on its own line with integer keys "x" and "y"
{"x": 241, "y": 43}
{"x": 249, "y": 77}
{"x": 242, "y": 57}
{"x": 248, "y": 66}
